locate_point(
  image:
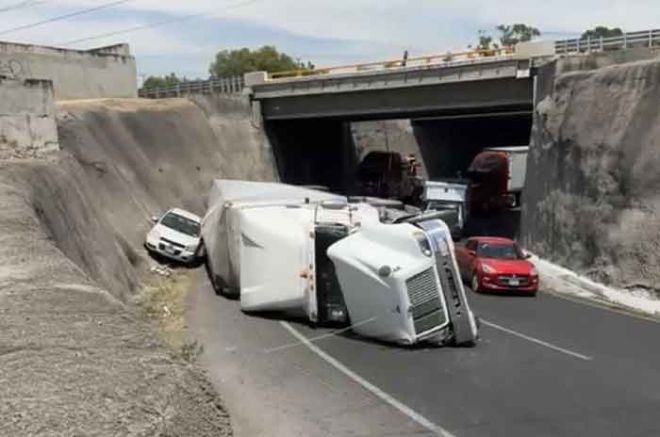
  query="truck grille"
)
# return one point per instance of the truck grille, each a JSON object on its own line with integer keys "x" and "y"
{"x": 425, "y": 300}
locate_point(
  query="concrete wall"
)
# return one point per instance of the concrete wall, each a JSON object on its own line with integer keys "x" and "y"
{"x": 386, "y": 135}
{"x": 592, "y": 198}
{"x": 27, "y": 119}
{"x": 104, "y": 72}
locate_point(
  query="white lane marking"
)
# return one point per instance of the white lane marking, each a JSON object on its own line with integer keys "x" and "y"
{"x": 319, "y": 337}
{"x": 537, "y": 341}
{"x": 421, "y": 420}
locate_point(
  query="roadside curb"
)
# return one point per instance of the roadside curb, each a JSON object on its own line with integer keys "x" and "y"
{"x": 563, "y": 282}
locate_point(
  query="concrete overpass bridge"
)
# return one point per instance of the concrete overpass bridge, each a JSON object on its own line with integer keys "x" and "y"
{"x": 459, "y": 103}
{"x": 499, "y": 85}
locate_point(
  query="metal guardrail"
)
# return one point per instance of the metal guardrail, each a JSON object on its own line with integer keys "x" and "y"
{"x": 418, "y": 61}
{"x": 234, "y": 85}
{"x": 646, "y": 38}
{"x": 226, "y": 85}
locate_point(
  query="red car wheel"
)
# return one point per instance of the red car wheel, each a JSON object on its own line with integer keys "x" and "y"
{"x": 474, "y": 283}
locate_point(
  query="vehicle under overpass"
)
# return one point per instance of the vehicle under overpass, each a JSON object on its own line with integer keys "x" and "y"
{"x": 456, "y": 110}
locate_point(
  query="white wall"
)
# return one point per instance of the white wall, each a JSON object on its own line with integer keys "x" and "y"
{"x": 98, "y": 73}
{"x": 27, "y": 119}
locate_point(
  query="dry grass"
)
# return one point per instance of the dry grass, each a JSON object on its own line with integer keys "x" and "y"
{"x": 163, "y": 301}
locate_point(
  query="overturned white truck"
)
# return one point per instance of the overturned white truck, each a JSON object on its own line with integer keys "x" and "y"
{"x": 308, "y": 253}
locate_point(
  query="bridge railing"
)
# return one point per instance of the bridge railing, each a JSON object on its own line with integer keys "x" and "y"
{"x": 646, "y": 38}
{"x": 226, "y": 85}
{"x": 417, "y": 61}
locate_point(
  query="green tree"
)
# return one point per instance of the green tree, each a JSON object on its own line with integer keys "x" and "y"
{"x": 601, "y": 31}
{"x": 161, "y": 81}
{"x": 484, "y": 42}
{"x": 266, "y": 58}
{"x": 512, "y": 34}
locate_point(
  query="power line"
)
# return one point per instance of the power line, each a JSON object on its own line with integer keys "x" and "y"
{"x": 21, "y": 5}
{"x": 155, "y": 24}
{"x": 65, "y": 16}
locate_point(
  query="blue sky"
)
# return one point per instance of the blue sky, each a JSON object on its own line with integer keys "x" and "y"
{"x": 327, "y": 32}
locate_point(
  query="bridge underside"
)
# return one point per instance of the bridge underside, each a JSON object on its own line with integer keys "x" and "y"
{"x": 324, "y": 152}
{"x": 503, "y": 95}
{"x": 313, "y": 141}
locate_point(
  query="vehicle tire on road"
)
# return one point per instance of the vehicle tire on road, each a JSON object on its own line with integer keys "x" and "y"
{"x": 474, "y": 283}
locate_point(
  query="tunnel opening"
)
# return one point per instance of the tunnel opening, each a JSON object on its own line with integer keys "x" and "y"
{"x": 328, "y": 152}
{"x": 448, "y": 147}
{"x": 317, "y": 152}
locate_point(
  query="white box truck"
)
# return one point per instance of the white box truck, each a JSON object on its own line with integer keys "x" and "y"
{"x": 331, "y": 261}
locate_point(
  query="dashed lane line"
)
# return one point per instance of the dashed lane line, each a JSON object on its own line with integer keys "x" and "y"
{"x": 537, "y": 341}
{"x": 412, "y": 414}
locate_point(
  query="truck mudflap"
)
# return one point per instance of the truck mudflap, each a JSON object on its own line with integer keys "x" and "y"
{"x": 462, "y": 320}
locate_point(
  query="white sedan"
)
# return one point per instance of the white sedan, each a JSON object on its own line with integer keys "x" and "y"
{"x": 176, "y": 235}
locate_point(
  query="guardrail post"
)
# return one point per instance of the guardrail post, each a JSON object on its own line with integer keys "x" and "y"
{"x": 625, "y": 40}
{"x": 601, "y": 43}
{"x": 650, "y": 38}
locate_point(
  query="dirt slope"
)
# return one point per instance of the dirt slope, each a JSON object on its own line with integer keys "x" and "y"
{"x": 75, "y": 357}
{"x": 144, "y": 156}
{"x": 593, "y": 187}
{"x": 75, "y": 360}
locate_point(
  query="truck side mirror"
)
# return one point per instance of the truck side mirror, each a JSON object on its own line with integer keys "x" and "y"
{"x": 154, "y": 219}
{"x": 472, "y": 252}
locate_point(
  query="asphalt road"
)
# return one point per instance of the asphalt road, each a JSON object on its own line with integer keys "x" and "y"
{"x": 544, "y": 366}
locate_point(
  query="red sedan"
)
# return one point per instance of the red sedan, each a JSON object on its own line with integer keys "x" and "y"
{"x": 496, "y": 264}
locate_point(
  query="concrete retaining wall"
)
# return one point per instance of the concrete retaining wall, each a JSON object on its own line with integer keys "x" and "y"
{"x": 104, "y": 72}
{"x": 27, "y": 119}
{"x": 591, "y": 200}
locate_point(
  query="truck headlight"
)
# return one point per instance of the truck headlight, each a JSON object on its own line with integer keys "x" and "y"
{"x": 191, "y": 248}
{"x": 423, "y": 243}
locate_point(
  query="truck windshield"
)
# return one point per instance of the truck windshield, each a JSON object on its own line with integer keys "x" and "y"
{"x": 181, "y": 224}
{"x": 498, "y": 251}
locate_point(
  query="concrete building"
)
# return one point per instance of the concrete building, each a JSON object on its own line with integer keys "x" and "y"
{"x": 75, "y": 74}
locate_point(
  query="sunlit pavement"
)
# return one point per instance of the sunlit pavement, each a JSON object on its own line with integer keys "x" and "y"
{"x": 543, "y": 366}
